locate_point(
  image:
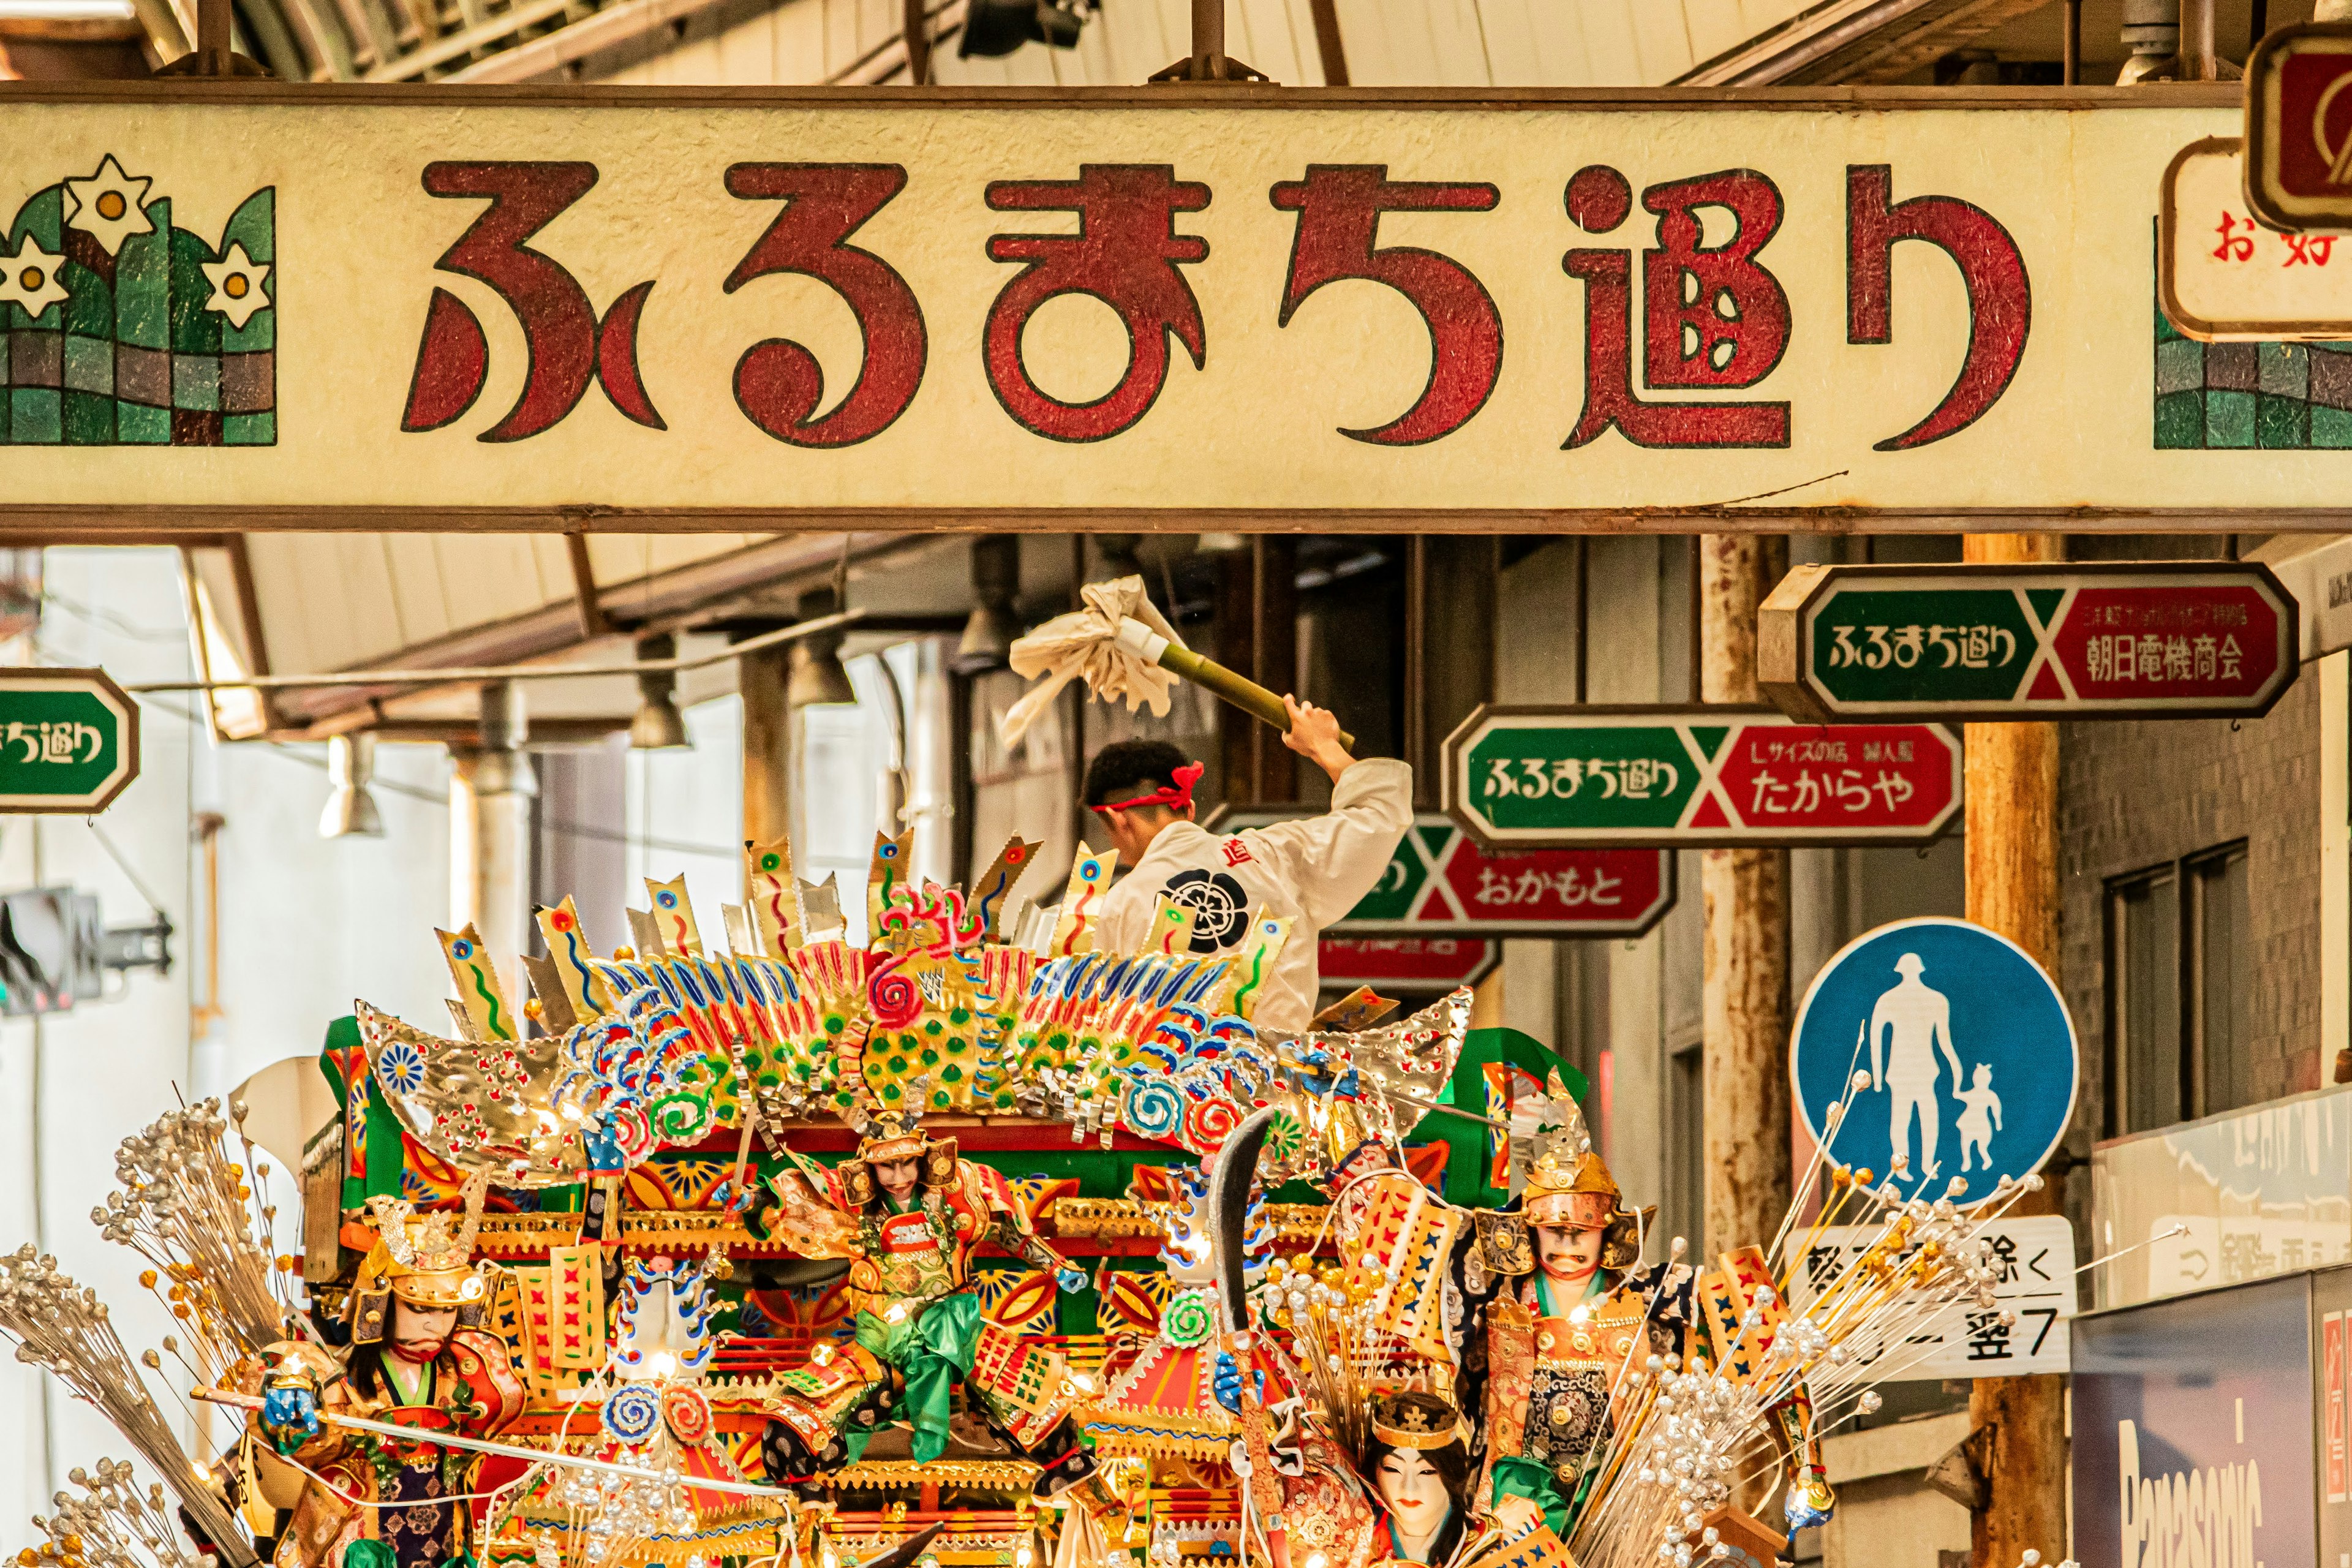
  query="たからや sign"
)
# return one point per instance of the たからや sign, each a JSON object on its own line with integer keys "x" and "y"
{"x": 1526, "y": 777}
{"x": 1951, "y": 1049}
{"x": 2184, "y": 639}
{"x": 68, "y": 739}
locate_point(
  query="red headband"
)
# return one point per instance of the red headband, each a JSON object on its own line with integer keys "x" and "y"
{"x": 1176, "y": 798}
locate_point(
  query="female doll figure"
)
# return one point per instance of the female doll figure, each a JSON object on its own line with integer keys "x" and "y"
{"x": 1419, "y": 1468}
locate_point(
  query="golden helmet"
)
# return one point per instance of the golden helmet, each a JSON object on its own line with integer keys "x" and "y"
{"x": 1573, "y": 1191}
{"x": 892, "y": 1135}
{"x": 422, "y": 1259}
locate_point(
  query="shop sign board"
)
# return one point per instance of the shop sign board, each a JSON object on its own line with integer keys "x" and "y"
{"x": 2209, "y": 1398}
{"x": 2223, "y": 277}
{"x": 1692, "y": 778}
{"x": 1442, "y": 882}
{"x": 68, "y": 741}
{"x": 2185, "y": 639}
{"x": 1406, "y": 965}
{"x": 2299, "y": 127}
{"x": 2034, "y": 1256}
{"x": 509, "y": 308}
{"x": 1952, "y": 1050}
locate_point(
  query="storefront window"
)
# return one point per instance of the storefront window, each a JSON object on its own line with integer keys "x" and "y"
{"x": 2178, "y": 972}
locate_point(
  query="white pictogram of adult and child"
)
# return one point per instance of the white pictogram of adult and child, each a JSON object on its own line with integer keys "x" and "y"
{"x": 1908, "y": 1026}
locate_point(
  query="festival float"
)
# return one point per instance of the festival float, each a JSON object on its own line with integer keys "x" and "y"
{"x": 969, "y": 1246}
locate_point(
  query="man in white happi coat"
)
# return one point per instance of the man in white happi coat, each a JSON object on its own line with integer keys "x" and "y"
{"x": 1313, "y": 870}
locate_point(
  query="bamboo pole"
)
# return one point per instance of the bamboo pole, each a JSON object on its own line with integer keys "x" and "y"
{"x": 1746, "y": 948}
{"x": 2012, "y": 888}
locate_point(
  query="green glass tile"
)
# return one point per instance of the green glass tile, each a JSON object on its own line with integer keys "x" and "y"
{"x": 195, "y": 330}
{"x": 2179, "y": 365}
{"x": 2281, "y": 422}
{"x": 2331, "y": 427}
{"x": 41, "y": 218}
{"x": 88, "y": 419}
{"x": 2180, "y": 421}
{"x": 135, "y": 424}
{"x": 35, "y": 417}
{"x": 2229, "y": 419}
{"x": 254, "y": 225}
{"x": 89, "y": 365}
{"x": 249, "y": 430}
{"x": 89, "y": 303}
{"x": 142, "y": 284}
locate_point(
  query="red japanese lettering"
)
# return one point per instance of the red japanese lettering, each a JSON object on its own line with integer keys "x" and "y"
{"x": 1125, "y": 254}
{"x": 1339, "y": 207}
{"x": 778, "y": 383}
{"x": 2001, "y": 298}
{"x": 1712, "y": 318}
{"x": 2306, "y": 249}
{"x": 1711, "y": 315}
{"x": 561, "y": 337}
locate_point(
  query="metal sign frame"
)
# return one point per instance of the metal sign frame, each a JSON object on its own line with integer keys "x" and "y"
{"x": 1785, "y": 625}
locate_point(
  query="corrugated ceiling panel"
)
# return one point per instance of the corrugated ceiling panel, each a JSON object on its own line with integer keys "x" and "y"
{"x": 417, "y": 596}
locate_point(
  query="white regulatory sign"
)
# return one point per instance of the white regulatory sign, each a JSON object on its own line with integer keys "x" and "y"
{"x": 2036, "y": 1256}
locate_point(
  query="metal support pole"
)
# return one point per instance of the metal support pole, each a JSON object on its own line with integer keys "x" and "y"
{"x": 490, "y": 831}
{"x": 1746, "y": 943}
{"x": 2198, "y": 60}
{"x": 1208, "y": 41}
{"x": 1328, "y": 45}
{"x": 918, "y": 28}
{"x": 2012, "y": 888}
{"x": 2073, "y": 72}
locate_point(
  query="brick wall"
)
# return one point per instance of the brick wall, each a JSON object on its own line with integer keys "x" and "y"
{"x": 2131, "y": 795}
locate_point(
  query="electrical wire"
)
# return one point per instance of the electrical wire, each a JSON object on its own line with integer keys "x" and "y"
{"x": 137, "y": 884}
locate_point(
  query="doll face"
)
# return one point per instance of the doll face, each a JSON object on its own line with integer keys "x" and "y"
{"x": 1566, "y": 1255}
{"x": 418, "y": 1333}
{"x": 1413, "y": 1490}
{"x": 899, "y": 1178}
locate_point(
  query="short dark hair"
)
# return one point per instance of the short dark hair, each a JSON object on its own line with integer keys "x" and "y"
{"x": 1125, "y": 769}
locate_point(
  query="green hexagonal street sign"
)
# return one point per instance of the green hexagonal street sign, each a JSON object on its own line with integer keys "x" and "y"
{"x": 68, "y": 741}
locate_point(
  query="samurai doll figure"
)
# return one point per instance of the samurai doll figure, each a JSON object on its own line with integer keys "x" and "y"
{"x": 414, "y": 1360}
{"x": 1563, "y": 1320}
{"x": 909, "y": 1215}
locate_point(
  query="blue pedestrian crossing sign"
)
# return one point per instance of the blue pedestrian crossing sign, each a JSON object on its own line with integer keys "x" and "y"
{"x": 1951, "y": 1049}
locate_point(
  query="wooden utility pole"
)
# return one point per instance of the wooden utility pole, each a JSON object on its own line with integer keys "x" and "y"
{"x": 2017, "y": 1424}
{"x": 1747, "y": 961}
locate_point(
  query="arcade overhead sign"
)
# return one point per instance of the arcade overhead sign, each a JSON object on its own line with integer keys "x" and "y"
{"x": 284, "y": 307}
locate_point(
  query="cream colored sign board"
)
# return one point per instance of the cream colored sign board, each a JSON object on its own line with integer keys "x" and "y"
{"x": 2223, "y": 278}
{"x": 1818, "y": 260}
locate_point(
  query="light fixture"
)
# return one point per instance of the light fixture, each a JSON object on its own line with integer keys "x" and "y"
{"x": 350, "y": 810}
{"x": 814, "y": 676}
{"x": 993, "y": 28}
{"x": 657, "y": 726}
{"x": 987, "y": 642}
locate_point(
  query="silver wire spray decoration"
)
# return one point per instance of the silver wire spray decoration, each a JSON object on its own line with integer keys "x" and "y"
{"x": 64, "y": 1329}
{"x": 112, "y": 1524}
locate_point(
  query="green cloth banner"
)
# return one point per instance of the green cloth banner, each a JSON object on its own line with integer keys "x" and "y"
{"x": 1466, "y": 1167}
